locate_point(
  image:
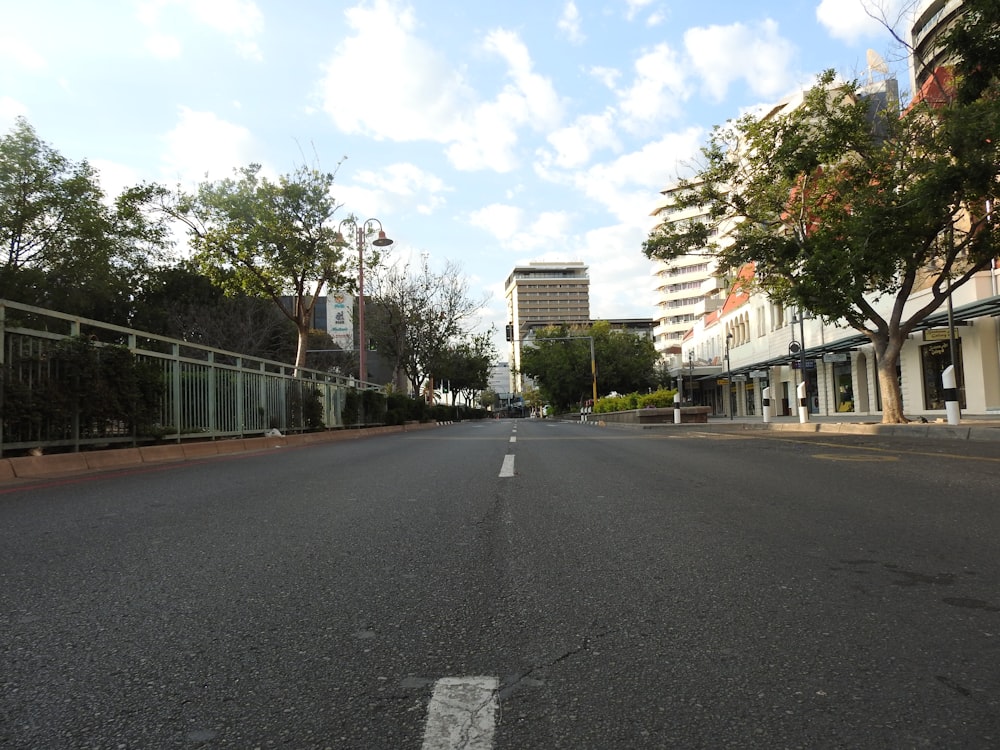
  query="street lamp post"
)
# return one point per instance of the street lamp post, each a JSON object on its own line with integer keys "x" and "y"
{"x": 361, "y": 231}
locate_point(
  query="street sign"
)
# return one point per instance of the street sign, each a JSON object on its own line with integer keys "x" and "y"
{"x": 759, "y": 374}
{"x": 835, "y": 357}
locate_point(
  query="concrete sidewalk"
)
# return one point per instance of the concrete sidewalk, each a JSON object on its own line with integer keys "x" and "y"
{"x": 969, "y": 428}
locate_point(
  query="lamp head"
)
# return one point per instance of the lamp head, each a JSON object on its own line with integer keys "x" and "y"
{"x": 382, "y": 240}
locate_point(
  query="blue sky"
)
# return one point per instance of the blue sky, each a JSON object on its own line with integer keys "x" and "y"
{"x": 486, "y": 133}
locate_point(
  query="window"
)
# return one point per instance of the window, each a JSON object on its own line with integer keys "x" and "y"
{"x": 934, "y": 359}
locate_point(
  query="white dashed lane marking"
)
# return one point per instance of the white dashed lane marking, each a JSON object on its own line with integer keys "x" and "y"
{"x": 462, "y": 714}
{"x": 507, "y": 470}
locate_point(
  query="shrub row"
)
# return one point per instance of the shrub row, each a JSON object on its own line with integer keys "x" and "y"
{"x": 662, "y": 398}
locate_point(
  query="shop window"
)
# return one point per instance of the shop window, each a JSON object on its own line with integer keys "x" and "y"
{"x": 934, "y": 359}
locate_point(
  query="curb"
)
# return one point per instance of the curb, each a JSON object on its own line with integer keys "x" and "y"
{"x": 58, "y": 465}
{"x": 979, "y": 433}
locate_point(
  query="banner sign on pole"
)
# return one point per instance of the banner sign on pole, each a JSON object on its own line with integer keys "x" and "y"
{"x": 340, "y": 319}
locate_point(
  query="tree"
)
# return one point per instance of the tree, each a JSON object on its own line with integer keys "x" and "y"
{"x": 559, "y": 359}
{"x": 65, "y": 246}
{"x": 626, "y": 361}
{"x": 845, "y": 209}
{"x": 415, "y": 317}
{"x": 271, "y": 239}
{"x": 489, "y": 399}
{"x": 466, "y": 366}
{"x": 180, "y": 302}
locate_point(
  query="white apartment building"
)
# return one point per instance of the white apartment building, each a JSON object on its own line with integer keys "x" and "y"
{"x": 685, "y": 289}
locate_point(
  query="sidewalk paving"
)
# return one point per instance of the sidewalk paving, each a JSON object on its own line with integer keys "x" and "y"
{"x": 973, "y": 427}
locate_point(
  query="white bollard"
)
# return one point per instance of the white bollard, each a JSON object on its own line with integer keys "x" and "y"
{"x": 767, "y": 405}
{"x": 951, "y": 405}
{"x": 803, "y": 405}
{"x": 677, "y": 408}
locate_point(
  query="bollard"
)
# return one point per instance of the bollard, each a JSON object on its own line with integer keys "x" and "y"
{"x": 767, "y": 405}
{"x": 951, "y": 405}
{"x": 677, "y": 408}
{"x": 803, "y": 405}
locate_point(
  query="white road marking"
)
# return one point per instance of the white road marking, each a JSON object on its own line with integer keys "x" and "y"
{"x": 513, "y": 438}
{"x": 462, "y": 714}
{"x": 507, "y": 470}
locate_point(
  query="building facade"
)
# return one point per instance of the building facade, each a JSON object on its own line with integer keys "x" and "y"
{"x": 686, "y": 289}
{"x": 543, "y": 294}
{"x": 933, "y": 18}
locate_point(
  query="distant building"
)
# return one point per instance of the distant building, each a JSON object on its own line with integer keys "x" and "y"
{"x": 543, "y": 294}
{"x": 642, "y": 327}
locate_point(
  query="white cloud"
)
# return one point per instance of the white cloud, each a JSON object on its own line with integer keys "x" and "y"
{"x": 658, "y": 90}
{"x": 240, "y": 20}
{"x": 574, "y": 145}
{"x": 203, "y": 146}
{"x": 634, "y": 7}
{"x": 488, "y": 139}
{"x": 422, "y": 96}
{"x": 114, "y": 177}
{"x": 10, "y": 110}
{"x": 164, "y": 46}
{"x": 21, "y": 54}
{"x": 657, "y": 18}
{"x": 617, "y": 270}
{"x": 608, "y": 76}
{"x": 569, "y": 23}
{"x": 628, "y": 186}
{"x": 405, "y": 185}
{"x": 419, "y": 94}
{"x": 501, "y": 220}
{"x": 756, "y": 54}
{"x": 852, "y": 20}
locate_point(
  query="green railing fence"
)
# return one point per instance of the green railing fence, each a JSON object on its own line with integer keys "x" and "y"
{"x": 68, "y": 382}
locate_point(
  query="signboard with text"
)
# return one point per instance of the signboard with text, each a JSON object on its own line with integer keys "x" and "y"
{"x": 340, "y": 319}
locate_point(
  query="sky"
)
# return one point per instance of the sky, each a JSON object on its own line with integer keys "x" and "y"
{"x": 489, "y": 134}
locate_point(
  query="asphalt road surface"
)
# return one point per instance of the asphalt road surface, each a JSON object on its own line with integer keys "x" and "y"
{"x": 502, "y": 584}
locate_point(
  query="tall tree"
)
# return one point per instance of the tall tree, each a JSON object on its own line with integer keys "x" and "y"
{"x": 66, "y": 246}
{"x": 271, "y": 239}
{"x": 845, "y": 209}
{"x": 416, "y": 315}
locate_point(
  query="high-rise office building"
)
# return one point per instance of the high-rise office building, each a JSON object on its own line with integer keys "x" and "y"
{"x": 543, "y": 294}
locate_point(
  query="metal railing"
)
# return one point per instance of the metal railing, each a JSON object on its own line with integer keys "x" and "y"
{"x": 178, "y": 390}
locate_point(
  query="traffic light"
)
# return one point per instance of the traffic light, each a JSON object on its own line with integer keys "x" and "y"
{"x": 510, "y": 331}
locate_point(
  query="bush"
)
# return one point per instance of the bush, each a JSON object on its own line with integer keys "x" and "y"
{"x": 662, "y": 398}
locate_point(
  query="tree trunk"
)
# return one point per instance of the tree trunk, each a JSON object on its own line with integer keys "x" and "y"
{"x": 887, "y": 355}
{"x": 300, "y": 353}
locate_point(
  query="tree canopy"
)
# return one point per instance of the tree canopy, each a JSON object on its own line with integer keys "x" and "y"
{"x": 269, "y": 238}
{"x": 846, "y": 206}
{"x": 65, "y": 245}
{"x": 416, "y": 315}
{"x": 559, "y": 361}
